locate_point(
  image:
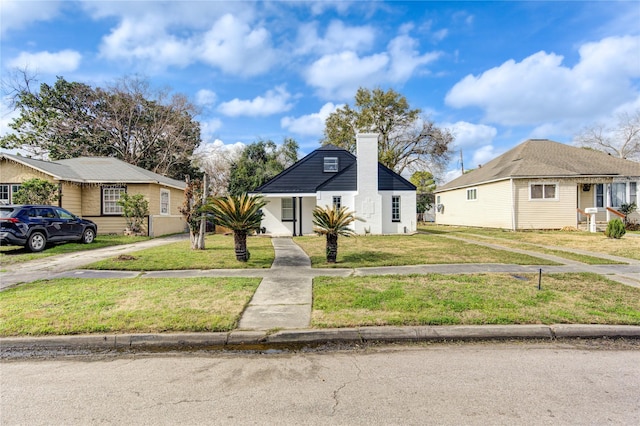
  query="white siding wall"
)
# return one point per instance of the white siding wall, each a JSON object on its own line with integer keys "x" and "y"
{"x": 491, "y": 208}
{"x": 546, "y": 214}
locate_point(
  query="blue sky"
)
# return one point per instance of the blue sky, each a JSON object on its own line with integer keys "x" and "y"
{"x": 495, "y": 73}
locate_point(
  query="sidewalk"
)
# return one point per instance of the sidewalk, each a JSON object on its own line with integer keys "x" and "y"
{"x": 280, "y": 311}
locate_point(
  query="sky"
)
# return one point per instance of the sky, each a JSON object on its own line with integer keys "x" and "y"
{"x": 494, "y": 73}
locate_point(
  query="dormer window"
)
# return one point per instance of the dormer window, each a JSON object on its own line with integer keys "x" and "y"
{"x": 331, "y": 164}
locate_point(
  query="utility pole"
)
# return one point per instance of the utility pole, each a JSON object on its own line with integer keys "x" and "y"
{"x": 461, "y": 162}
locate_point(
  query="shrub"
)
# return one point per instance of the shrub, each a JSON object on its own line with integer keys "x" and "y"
{"x": 134, "y": 209}
{"x": 36, "y": 191}
{"x": 615, "y": 229}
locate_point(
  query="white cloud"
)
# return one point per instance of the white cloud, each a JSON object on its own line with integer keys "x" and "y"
{"x": 206, "y": 97}
{"x": 208, "y": 128}
{"x": 47, "y": 62}
{"x": 541, "y": 89}
{"x": 482, "y": 156}
{"x": 273, "y": 102}
{"x": 469, "y": 135}
{"x": 339, "y": 75}
{"x": 236, "y": 48}
{"x": 160, "y": 35}
{"x": 7, "y": 115}
{"x": 19, "y": 14}
{"x": 311, "y": 124}
{"x": 337, "y": 38}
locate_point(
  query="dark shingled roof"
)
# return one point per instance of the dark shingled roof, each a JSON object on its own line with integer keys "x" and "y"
{"x": 308, "y": 176}
{"x": 541, "y": 158}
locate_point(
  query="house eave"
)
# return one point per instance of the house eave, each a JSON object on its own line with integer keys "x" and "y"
{"x": 608, "y": 177}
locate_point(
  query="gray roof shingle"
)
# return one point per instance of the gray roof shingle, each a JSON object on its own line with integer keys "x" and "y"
{"x": 96, "y": 170}
{"x": 539, "y": 158}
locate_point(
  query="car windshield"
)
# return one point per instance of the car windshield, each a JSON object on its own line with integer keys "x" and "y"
{"x": 5, "y": 212}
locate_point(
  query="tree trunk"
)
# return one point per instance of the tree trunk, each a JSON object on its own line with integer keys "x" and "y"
{"x": 240, "y": 241}
{"x": 332, "y": 248}
{"x": 203, "y": 220}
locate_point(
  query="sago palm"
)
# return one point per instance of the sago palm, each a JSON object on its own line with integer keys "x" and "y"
{"x": 240, "y": 213}
{"x": 332, "y": 223}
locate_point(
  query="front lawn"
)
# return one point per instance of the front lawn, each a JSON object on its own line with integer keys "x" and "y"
{"x": 10, "y": 255}
{"x": 219, "y": 253}
{"x": 627, "y": 246}
{"x": 140, "y": 305}
{"x": 436, "y": 299}
{"x": 399, "y": 250}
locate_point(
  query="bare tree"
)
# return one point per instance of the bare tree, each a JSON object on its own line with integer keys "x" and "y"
{"x": 621, "y": 140}
{"x": 215, "y": 161}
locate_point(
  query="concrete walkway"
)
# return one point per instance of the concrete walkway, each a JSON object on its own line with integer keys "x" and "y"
{"x": 283, "y": 299}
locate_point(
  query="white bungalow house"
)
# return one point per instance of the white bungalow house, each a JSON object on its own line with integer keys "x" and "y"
{"x": 332, "y": 176}
{"x": 540, "y": 184}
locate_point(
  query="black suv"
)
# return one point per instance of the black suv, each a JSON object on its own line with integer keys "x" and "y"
{"x": 33, "y": 226}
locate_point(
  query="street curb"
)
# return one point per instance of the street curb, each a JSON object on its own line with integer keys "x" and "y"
{"x": 263, "y": 340}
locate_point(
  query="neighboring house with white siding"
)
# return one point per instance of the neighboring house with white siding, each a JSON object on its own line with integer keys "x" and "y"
{"x": 540, "y": 184}
{"x": 91, "y": 186}
{"x": 332, "y": 176}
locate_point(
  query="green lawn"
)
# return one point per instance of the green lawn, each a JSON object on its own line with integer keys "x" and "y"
{"x": 140, "y": 305}
{"x": 398, "y": 250}
{"x": 219, "y": 253}
{"x": 436, "y": 299}
{"x": 628, "y": 246}
{"x": 10, "y": 255}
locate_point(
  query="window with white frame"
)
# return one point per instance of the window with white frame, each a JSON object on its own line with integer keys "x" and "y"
{"x": 287, "y": 209}
{"x": 472, "y": 194}
{"x": 330, "y": 164}
{"x": 543, "y": 191}
{"x": 337, "y": 202}
{"x": 110, "y": 196}
{"x": 618, "y": 194}
{"x": 599, "y": 195}
{"x": 164, "y": 201}
{"x": 7, "y": 191}
{"x": 395, "y": 208}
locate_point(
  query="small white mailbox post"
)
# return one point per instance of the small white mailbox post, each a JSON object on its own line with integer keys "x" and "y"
{"x": 591, "y": 211}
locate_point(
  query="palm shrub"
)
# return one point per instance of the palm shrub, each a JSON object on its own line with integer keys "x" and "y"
{"x": 332, "y": 223}
{"x": 240, "y": 213}
{"x": 615, "y": 229}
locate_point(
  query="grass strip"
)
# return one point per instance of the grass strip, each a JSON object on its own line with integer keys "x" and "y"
{"x": 219, "y": 253}
{"x": 139, "y": 305}
{"x": 400, "y": 250}
{"x": 627, "y": 246}
{"x": 437, "y": 299}
{"x": 10, "y": 255}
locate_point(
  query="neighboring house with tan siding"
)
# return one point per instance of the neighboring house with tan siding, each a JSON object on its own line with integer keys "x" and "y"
{"x": 540, "y": 184}
{"x": 91, "y": 186}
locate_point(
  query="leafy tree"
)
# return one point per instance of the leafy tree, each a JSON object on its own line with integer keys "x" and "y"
{"x": 134, "y": 208}
{"x": 332, "y": 223}
{"x": 259, "y": 162}
{"x": 127, "y": 120}
{"x": 242, "y": 214}
{"x": 406, "y": 140}
{"x": 620, "y": 140}
{"x": 425, "y": 185}
{"x": 36, "y": 191}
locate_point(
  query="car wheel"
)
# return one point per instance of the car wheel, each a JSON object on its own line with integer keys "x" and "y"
{"x": 37, "y": 242}
{"x": 88, "y": 236}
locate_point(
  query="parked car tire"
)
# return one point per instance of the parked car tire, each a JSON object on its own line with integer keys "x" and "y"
{"x": 88, "y": 236}
{"x": 37, "y": 241}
